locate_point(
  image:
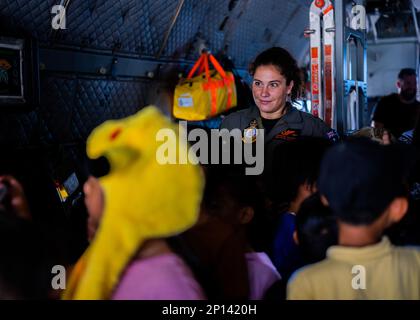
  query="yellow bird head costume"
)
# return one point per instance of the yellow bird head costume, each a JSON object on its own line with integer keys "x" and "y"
{"x": 143, "y": 199}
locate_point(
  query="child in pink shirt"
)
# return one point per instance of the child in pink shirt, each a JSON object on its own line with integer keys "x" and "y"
{"x": 222, "y": 241}
{"x": 162, "y": 277}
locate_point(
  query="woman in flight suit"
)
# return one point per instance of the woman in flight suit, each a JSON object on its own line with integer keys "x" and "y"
{"x": 276, "y": 77}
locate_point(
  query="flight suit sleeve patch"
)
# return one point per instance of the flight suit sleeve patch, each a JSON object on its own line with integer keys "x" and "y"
{"x": 288, "y": 135}
{"x": 332, "y": 135}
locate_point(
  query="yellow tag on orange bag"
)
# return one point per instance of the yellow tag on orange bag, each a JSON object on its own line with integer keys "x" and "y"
{"x": 206, "y": 95}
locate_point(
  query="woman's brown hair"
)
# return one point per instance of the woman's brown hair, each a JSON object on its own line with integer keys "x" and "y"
{"x": 284, "y": 62}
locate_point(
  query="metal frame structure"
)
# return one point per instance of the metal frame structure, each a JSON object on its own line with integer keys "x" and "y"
{"x": 338, "y": 52}
{"x": 351, "y": 70}
{"x": 321, "y": 33}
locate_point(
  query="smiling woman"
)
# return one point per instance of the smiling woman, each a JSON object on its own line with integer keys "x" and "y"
{"x": 276, "y": 83}
{"x": 270, "y": 90}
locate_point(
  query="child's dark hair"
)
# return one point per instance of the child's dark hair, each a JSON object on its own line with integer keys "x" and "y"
{"x": 242, "y": 191}
{"x": 316, "y": 229}
{"x": 367, "y": 178}
{"x": 222, "y": 181}
{"x": 285, "y": 63}
{"x": 295, "y": 163}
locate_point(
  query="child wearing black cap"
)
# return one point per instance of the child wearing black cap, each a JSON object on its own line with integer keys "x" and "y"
{"x": 364, "y": 184}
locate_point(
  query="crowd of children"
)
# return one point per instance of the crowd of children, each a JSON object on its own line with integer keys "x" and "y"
{"x": 328, "y": 219}
{"x": 186, "y": 231}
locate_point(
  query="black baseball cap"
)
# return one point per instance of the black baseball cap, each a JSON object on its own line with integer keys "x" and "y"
{"x": 360, "y": 178}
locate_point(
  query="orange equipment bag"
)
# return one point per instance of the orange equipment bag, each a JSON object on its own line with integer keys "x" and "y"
{"x": 206, "y": 95}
